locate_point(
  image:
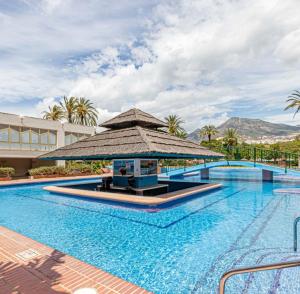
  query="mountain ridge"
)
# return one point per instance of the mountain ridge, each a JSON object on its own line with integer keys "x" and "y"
{"x": 252, "y": 128}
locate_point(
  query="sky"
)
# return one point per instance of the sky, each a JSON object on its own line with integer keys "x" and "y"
{"x": 204, "y": 60}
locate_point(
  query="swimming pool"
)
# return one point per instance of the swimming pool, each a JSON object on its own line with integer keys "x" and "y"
{"x": 183, "y": 249}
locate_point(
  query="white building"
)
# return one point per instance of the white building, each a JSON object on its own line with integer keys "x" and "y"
{"x": 23, "y": 139}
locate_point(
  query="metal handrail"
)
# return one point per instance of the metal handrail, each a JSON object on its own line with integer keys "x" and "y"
{"x": 295, "y": 233}
{"x": 252, "y": 269}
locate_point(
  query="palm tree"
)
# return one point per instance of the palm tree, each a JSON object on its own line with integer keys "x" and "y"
{"x": 294, "y": 101}
{"x": 69, "y": 107}
{"x": 230, "y": 137}
{"x": 181, "y": 134}
{"x": 86, "y": 113}
{"x": 174, "y": 124}
{"x": 54, "y": 113}
{"x": 209, "y": 131}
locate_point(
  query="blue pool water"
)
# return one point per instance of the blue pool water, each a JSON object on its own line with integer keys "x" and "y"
{"x": 183, "y": 249}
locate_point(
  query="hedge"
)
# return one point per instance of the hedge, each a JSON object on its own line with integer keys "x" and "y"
{"x": 71, "y": 169}
{"x": 7, "y": 171}
{"x": 47, "y": 170}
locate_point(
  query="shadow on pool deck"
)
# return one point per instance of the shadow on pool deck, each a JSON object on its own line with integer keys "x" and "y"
{"x": 29, "y": 267}
{"x": 37, "y": 276}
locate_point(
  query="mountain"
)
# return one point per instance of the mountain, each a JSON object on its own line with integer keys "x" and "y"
{"x": 249, "y": 128}
{"x": 194, "y": 136}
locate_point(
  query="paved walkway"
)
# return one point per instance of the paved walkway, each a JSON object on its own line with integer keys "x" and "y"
{"x": 29, "y": 267}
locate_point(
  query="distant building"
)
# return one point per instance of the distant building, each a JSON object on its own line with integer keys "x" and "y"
{"x": 23, "y": 139}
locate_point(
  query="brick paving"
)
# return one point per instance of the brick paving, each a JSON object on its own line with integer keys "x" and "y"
{"x": 29, "y": 267}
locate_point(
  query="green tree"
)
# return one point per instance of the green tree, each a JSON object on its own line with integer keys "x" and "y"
{"x": 69, "y": 107}
{"x": 85, "y": 112}
{"x": 174, "y": 124}
{"x": 230, "y": 137}
{"x": 54, "y": 113}
{"x": 181, "y": 134}
{"x": 294, "y": 101}
{"x": 209, "y": 131}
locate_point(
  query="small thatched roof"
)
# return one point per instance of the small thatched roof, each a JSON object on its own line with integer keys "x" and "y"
{"x": 133, "y": 117}
{"x": 135, "y": 142}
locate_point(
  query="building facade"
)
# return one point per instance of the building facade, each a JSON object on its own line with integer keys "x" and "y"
{"x": 23, "y": 139}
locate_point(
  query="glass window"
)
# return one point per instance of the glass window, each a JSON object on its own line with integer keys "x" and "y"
{"x": 34, "y": 137}
{"x": 44, "y": 138}
{"x": 148, "y": 167}
{"x": 14, "y": 135}
{"x": 44, "y": 147}
{"x": 67, "y": 140}
{"x": 4, "y": 145}
{"x": 124, "y": 167}
{"x": 70, "y": 138}
{"x": 4, "y": 135}
{"x": 52, "y": 138}
{"x": 25, "y": 146}
{"x": 15, "y": 146}
{"x": 73, "y": 138}
{"x": 34, "y": 147}
{"x": 25, "y": 137}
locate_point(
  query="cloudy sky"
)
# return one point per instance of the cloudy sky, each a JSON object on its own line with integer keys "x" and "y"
{"x": 205, "y": 60}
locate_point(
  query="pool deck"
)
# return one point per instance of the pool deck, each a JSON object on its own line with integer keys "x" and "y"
{"x": 49, "y": 180}
{"x": 29, "y": 267}
{"x": 134, "y": 199}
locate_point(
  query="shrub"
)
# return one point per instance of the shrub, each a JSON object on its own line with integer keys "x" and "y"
{"x": 47, "y": 170}
{"x": 94, "y": 167}
{"x": 73, "y": 168}
{"x": 7, "y": 171}
{"x": 78, "y": 167}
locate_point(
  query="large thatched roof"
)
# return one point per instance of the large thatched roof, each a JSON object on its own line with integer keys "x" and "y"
{"x": 133, "y": 117}
{"x": 128, "y": 142}
{"x": 131, "y": 142}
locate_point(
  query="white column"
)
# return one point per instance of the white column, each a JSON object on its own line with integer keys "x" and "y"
{"x": 60, "y": 143}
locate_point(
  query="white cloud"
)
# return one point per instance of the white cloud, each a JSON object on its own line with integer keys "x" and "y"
{"x": 40, "y": 40}
{"x": 105, "y": 115}
{"x": 288, "y": 48}
{"x": 51, "y": 5}
{"x": 199, "y": 59}
{"x": 45, "y": 104}
{"x": 201, "y": 55}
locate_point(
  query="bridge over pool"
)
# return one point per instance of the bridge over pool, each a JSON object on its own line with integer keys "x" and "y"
{"x": 267, "y": 169}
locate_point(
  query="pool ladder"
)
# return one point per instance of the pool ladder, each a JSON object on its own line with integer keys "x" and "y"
{"x": 259, "y": 268}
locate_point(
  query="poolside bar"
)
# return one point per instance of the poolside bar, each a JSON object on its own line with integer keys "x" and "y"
{"x": 134, "y": 141}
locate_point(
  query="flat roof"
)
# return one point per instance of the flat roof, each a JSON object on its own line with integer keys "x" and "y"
{"x": 40, "y": 123}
